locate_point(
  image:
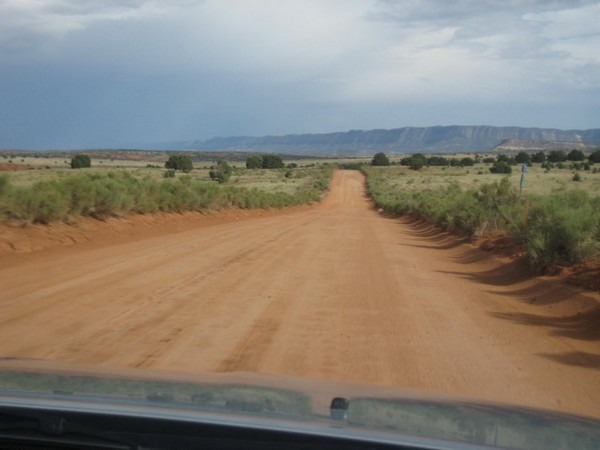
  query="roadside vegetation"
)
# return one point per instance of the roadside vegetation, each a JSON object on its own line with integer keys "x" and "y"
{"x": 556, "y": 219}
{"x": 109, "y": 193}
{"x": 556, "y": 227}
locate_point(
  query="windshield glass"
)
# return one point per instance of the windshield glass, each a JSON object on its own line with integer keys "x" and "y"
{"x": 398, "y": 195}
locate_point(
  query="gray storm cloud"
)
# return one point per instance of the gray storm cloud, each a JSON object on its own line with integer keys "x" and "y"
{"x": 94, "y": 73}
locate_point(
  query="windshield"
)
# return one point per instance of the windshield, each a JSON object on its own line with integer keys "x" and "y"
{"x": 402, "y": 195}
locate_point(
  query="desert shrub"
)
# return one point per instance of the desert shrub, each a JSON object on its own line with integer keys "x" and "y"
{"x": 380, "y": 159}
{"x": 556, "y": 156}
{"x": 80, "y": 161}
{"x": 437, "y": 161}
{"x": 272, "y": 162}
{"x": 115, "y": 195}
{"x": 594, "y": 157}
{"x": 510, "y": 160}
{"x": 254, "y": 162}
{"x": 82, "y": 192}
{"x": 548, "y": 165}
{"x": 538, "y": 157}
{"x": 102, "y": 195}
{"x": 523, "y": 158}
{"x": 416, "y": 161}
{"x": 576, "y": 155}
{"x": 576, "y": 176}
{"x": 179, "y": 162}
{"x": 559, "y": 228}
{"x": 323, "y": 178}
{"x": 501, "y": 167}
{"x": 221, "y": 172}
{"x": 169, "y": 173}
{"x": 41, "y": 202}
{"x": 563, "y": 228}
{"x": 350, "y": 165}
{"x": 146, "y": 196}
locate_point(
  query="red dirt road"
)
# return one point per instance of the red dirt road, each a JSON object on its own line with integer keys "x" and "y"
{"x": 333, "y": 292}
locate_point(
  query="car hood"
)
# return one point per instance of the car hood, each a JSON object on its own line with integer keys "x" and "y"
{"x": 276, "y": 402}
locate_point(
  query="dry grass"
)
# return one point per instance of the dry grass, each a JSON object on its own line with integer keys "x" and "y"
{"x": 537, "y": 181}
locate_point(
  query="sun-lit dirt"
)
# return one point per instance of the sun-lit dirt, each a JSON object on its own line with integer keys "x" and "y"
{"x": 334, "y": 292}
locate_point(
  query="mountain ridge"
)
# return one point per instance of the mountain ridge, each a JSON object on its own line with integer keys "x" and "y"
{"x": 435, "y": 139}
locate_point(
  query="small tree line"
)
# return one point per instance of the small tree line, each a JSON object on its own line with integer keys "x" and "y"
{"x": 264, "y": 162}
{"x": 500, "y": 164}
{"x": 419, "y": 160}
{"x": 221, "y": 172}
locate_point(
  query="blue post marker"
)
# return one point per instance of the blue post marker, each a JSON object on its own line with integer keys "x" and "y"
{"x": 523, "y": 172}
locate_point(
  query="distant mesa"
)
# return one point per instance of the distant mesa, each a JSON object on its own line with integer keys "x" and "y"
{"x": 438, "y": 139}
{"x": 516, "y": 145}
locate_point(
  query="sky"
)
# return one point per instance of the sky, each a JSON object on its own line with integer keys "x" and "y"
{"x": 142, "y": 73}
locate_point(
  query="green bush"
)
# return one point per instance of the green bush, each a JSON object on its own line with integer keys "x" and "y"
{"x": 415, "y": 162}
{"x": 562, "y": 229}
{"x": 179, "y": 162}
{"x": 523, "y": 157}
{"x": 41, "y": 202}
{"x": 556, "y": 156}
{"x": 437, "y": 161}
{"x": 254, "y": 162}
{"x": 510, "y": 160}
{"x": 501, "y": 167}
{"x": 538, "y": 157}
{"x": 576, "y": 155}
{"x": 380, "y": 159}
{"x": 272, "y": 162}
{"x": 221, "y": 172}
{"x": 350, "y": 165}
{"x": 80, "y": 161}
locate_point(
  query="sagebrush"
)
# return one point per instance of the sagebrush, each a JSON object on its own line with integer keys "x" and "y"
{"x": 119, "y": 193}
{"x": 560, "y": 228}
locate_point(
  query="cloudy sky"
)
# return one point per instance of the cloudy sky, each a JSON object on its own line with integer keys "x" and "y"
{"x": 118, "y": 73}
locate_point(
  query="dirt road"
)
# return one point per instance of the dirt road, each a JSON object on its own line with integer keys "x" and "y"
{"x": 332, "y": 292}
